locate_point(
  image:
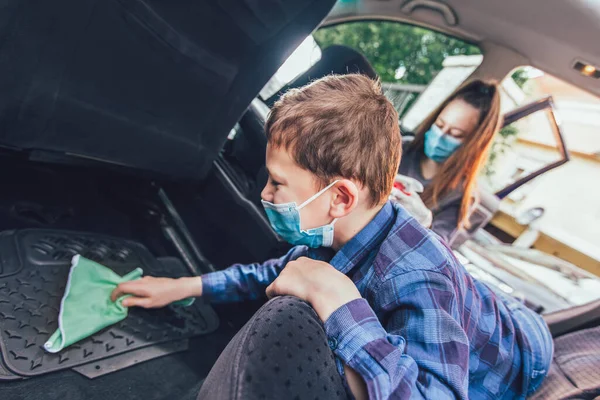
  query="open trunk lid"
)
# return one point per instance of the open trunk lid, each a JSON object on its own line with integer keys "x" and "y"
{"x": 147, "y": 84}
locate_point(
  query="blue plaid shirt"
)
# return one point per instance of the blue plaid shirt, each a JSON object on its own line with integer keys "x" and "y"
{"x": 424, "y": 327}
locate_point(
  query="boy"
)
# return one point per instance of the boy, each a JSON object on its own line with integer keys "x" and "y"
{"x": 403, "y": 312}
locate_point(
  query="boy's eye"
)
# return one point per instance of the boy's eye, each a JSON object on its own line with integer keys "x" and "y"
{"x": 275, "y": 183}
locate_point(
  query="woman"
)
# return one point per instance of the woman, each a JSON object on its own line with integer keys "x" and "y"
{"x": 446, "y": 155}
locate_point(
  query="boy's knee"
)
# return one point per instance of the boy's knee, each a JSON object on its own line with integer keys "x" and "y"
{"x": 287, "y": 309}
{"x": 285, "y": 324}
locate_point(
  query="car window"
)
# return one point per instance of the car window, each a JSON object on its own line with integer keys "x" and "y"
{"x": 305, "y": 56}
{"x": 520, "y": 148}
{"x": 408, "y": 59}
{"x": 569, "y": 194}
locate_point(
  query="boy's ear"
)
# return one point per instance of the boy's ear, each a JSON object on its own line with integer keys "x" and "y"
{"x": 345, "y": 199}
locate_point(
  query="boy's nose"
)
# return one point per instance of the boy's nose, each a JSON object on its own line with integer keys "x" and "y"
{"x": 265, "y": 194}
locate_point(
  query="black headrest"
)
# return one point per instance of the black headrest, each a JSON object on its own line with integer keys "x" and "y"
{"x": 335, "y": 59}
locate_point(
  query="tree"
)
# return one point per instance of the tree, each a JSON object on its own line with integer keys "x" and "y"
{"x": 503, "y": 141}
{"x": 393, "y": 46}
{"x": 520, "y": 77}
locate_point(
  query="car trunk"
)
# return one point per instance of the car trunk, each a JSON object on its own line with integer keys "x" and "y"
{"x": 114, "y": 116}
{"x": 143, "y": 85}
{"x": 96, "y": 203}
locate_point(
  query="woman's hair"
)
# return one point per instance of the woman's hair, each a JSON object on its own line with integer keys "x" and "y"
{"x": 462, "y": 168}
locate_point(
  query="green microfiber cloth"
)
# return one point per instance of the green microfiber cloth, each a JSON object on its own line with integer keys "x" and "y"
{"x": 86, "y": 307}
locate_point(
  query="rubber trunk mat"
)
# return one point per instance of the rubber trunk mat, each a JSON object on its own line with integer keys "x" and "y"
{"x": 119, "y": 362}
{"x": 5, "y": 374}
{"x": 30, "y": 300}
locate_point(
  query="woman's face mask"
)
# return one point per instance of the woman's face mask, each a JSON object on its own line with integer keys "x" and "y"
{"x": 285, "y": 220}
{"x": 439, "y": 147}
{"x": 459, "y": 120}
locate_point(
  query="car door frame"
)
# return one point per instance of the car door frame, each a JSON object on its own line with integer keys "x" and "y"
{"x": 546, "y": 103}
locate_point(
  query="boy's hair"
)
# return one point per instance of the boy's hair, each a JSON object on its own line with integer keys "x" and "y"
{"x": 340, "y": 126}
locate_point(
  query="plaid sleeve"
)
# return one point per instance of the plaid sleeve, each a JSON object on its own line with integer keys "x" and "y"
{"x": 245, "y": 281}
{"x": 421, "y": 353}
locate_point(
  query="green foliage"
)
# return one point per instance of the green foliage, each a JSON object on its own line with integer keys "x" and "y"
{"x": 520, "y": 77}
{"x": 508, "y": 131}
{"x": 391, "y": 45}
{"x": 503, "y": 142}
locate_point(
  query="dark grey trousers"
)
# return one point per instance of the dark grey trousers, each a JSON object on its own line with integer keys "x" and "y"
{"x": 281, "y": 353}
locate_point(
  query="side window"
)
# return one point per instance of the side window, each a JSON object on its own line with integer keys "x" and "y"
{"x": 304, "y": 56}
{"x": 529, "y": 142}
{"x": 569, "y": 194}
{"x": 417, "y": 66}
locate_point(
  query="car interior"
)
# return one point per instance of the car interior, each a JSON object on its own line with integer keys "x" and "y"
{"x": 114, "y": 124}
{"x": 157, "y": 160}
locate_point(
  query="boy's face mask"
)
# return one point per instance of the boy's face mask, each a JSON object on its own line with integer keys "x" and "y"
{"x": 285, "y": 220}
{"x": 438, "y": 146}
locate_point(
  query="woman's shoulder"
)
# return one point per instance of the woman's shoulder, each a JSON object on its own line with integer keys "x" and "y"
{"x": 452, "y": 198}
{"x": 407, "y": 142}
{"x": 409, "y": 163}
{"x": 407, "y": 139}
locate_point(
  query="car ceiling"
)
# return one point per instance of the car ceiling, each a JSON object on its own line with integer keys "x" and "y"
{"x": 549, "y": 34}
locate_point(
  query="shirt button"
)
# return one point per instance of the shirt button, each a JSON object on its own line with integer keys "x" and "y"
{"x": 332, "y": 342}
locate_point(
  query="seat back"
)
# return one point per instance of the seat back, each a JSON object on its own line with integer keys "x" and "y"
{"x": 575, "y": 369}
{"x": 336, "y": 59}
{"x": 572, "y": 319}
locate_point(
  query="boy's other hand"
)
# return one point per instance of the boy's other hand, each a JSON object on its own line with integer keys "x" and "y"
{"x": 316, "y": 282}
{"x": 151, "y": 292}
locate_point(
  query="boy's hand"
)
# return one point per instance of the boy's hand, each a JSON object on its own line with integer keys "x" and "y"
{"x": 316, "y": 282}
{"x": 151, "y": 292}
